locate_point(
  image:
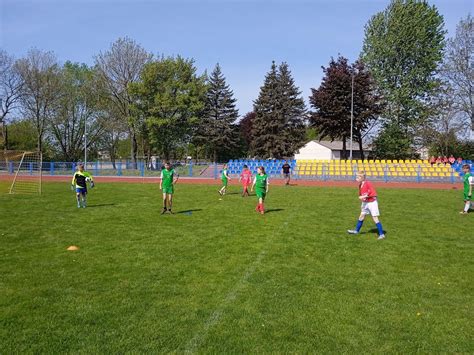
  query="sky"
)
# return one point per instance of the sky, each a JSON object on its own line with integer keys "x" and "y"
{"x": 243, "y": 36}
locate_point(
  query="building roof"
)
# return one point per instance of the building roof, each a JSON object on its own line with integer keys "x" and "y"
{"x": 337, "y": 145}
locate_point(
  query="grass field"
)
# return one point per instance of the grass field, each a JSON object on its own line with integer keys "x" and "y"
{"x": 218, "y": 278}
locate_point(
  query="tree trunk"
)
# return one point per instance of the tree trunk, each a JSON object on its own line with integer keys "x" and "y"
{"x": 344, "y": 148}
{"x": 134, "y": 148}
{"x": 361, "y": 148}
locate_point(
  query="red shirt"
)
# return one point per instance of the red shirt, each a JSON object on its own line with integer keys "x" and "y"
{"x": 246, "y": 177}
{"x": 366, "y": 188}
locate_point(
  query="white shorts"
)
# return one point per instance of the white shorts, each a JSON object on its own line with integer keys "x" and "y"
{"x": 371, "y": 208}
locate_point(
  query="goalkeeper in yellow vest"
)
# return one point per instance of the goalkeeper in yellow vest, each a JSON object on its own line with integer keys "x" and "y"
{"x": 79, "y": 183}
{"x": 168, "y": 179}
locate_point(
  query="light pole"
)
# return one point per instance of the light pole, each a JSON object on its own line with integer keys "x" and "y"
{"x": 85, "y": 143}
{"x": 352, "y": 113}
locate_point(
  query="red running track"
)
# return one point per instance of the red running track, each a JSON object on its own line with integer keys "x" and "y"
{"x": 274, "y": 181}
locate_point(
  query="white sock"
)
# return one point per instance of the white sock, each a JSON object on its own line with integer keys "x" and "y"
{"x": 467, "y": 206}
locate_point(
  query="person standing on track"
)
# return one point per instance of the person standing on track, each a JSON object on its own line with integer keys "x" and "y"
{"x": 286, "y": 172}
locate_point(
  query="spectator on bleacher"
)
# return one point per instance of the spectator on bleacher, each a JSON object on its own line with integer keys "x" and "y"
{"x": 451, "y": 159}
{"x": 432, "y": 160}
{"x": 445, "y": 160}
{"x": 459, "y": 160}
{"x": 439, "y": 160}
{"x": 285, "y": 170}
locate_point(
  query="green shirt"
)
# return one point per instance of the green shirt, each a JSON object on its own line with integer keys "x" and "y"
{"x": 261, "y": 182}
{"x": 167, "y": 177}
{"x": 468, "y": 180}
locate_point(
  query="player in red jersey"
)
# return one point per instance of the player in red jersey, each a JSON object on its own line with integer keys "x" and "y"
{"x": 368, "y": 196}
{"x": 246, "y": 179}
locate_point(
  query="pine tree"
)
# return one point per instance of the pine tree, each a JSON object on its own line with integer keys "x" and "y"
{"x": 217, "y": 130}
{"x": 278, "y": 127}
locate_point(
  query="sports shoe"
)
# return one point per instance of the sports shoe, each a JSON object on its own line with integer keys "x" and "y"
{"x": 163, "y": 211}
{"x": 463, "y": 212}
{"x": 352, "y": 231}
{"x": 171, "y": 212}
{"x": 381, "y": 236}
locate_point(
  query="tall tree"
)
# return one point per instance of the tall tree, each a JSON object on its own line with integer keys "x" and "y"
{"x": 11, "y": 86}
{"x": 170, "y": 97}
{"x": 332, "y": 102}
{"x": 216, "y": 129}
{"x": 457, "y": 70}
{"x": 39, "y": 72}
{"x": 77, "y": 107}
{"x": 402, "y": 48}
{"x": 278, "y": 126}
{"x": 119, "y": 67}
{"x": 245, "y": 127}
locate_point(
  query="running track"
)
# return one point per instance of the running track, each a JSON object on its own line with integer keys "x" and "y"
{"x": 273, "y": 181}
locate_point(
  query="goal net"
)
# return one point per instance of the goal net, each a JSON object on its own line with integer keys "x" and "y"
{"x": 23, "y": 170}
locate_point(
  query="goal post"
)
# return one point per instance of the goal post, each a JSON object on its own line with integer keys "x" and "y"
{"x": 27, "y": 168}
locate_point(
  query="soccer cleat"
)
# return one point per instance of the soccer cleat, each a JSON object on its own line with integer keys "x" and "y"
{"x": 463, "y": 212}
{"x": 164, "y": 210}
{"x": 352, "y": 231}
{"x": 171, "y": 212}
{"x": 381, "y": 236}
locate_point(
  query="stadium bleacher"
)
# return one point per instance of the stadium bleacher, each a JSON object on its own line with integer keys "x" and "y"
{"x": 386, "y": 169}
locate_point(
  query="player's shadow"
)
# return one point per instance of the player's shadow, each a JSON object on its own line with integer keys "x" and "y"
{"x": 189, "y": 211}
{"x": 101, "y": 205}
{"x": 274, "y": 210}
{"x": 372, "y": 231}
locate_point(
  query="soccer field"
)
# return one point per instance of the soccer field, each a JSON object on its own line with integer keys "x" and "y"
{"x": 218, "y": 278}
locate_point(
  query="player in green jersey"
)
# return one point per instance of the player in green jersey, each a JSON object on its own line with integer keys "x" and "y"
{"x": 225, "y": 179}
{"x": 168, "y": 179}
{"x": 260, "y": 182}
{"x": 468, "y": 184}
{"x": 79, "y": 183}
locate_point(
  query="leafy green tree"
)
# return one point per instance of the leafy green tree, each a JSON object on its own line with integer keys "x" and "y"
{"x": 119, "y": 67}
{"x": 278, "y": 128}
{"x": 77, "y": 106}
{"x": 392, "y": 143}
{"x": 402, "y": 48}
{"x": 170, "y": 97}
{"x": 41, "y": 89}
{"x": 217, "y": 129}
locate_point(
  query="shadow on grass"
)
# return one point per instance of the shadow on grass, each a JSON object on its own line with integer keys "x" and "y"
{"x": 101, "y": 205}
{"x": 274, "y": 210}
{"x": 372, "y": 231}
{"x": 189, "y": 211}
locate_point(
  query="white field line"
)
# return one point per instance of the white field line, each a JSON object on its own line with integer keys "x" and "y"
{"x": 195, "y": 342}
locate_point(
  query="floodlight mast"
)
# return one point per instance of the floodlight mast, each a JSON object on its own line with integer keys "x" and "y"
{"x": 352, "y": 113}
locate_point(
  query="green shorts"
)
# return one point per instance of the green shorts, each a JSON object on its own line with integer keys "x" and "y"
{"x": 168, "y": 190}
{"x": 261, "y": 194}
{"x": 224, "y": 182}
{"x": 466, "y": 197}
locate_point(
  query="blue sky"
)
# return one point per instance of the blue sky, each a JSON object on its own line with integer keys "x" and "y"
{"x": 243, "y": 36}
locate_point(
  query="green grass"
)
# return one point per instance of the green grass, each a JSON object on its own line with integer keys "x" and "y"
{"x": 224, "y": 279}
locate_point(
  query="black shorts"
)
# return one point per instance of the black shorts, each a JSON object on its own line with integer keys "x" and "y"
{"x": 287, "y": 175}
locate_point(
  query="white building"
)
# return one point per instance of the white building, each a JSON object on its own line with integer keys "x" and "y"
{"x": 328, "y": 150}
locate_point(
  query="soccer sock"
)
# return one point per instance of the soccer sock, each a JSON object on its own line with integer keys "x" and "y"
{"x": 262, "y": 208}
{"x": 359, "y": 225}
{"x": 84, "y": 201}
{"x": 257, "y": 208}
{"x": 467, "y": 205}
{"x": 379, "y": 228}
{"x": 78, "y": 198}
